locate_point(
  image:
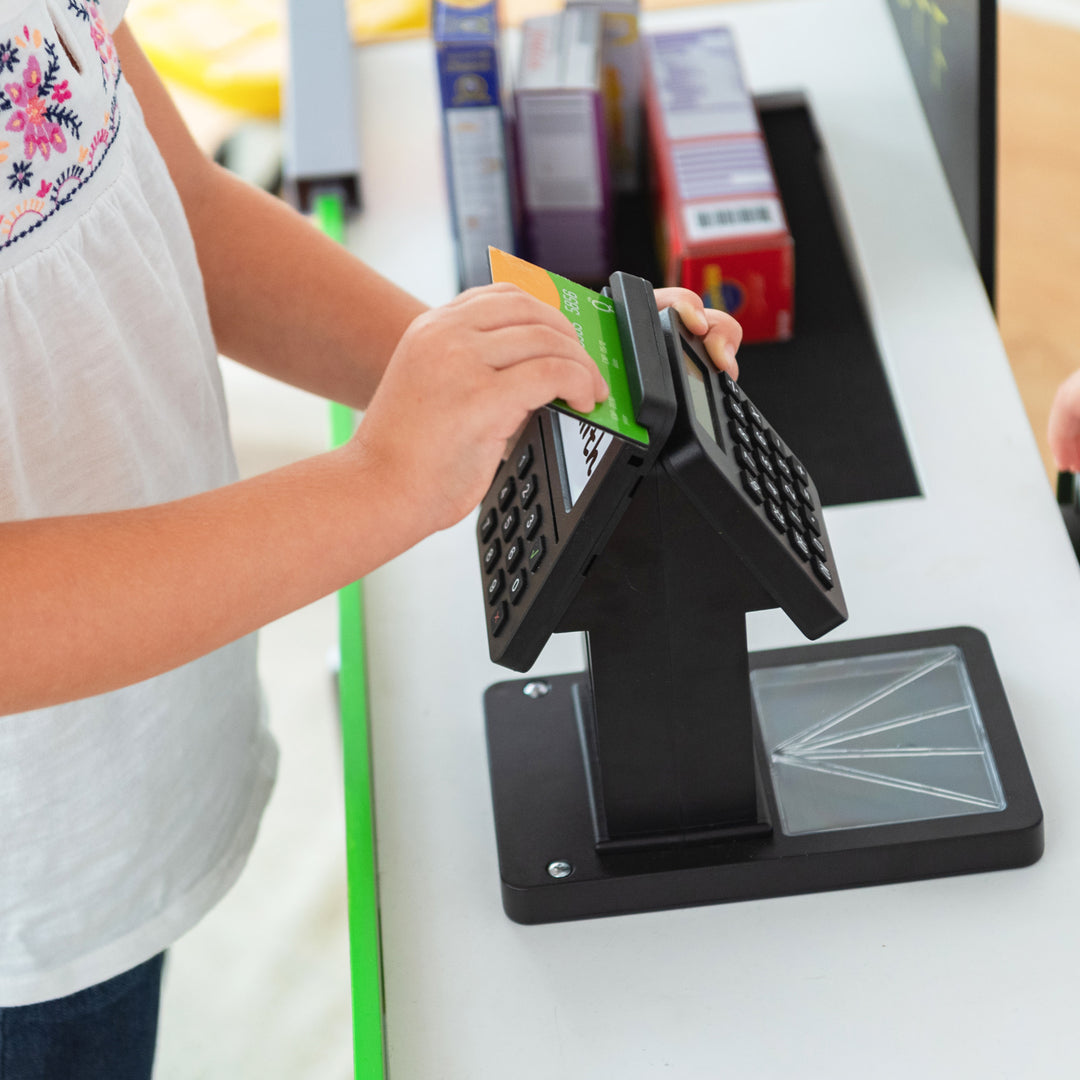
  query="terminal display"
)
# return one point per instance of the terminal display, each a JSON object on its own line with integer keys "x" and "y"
{"x": 579, "y": 448}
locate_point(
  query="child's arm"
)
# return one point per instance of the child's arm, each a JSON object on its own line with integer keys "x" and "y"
{"x": 286, "y": 300}
{"x": 91, "y": 603}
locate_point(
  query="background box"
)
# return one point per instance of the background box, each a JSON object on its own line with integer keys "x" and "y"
{"x": 562, "y": 145}
{"x": 722, "y": 227}
{"x": 475, "y": 144}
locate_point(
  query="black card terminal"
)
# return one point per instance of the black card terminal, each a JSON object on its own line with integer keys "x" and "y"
{"x": 674, "y": 769}
{"x": 558, "y": 497}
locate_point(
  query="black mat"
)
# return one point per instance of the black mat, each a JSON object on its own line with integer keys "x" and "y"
{"x": 825, "y": 391}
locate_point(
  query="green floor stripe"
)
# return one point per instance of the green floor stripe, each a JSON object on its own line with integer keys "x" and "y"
{"x": 364, "y": 949}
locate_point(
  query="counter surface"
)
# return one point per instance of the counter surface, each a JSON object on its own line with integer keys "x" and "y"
{"x": 963, "y": 976}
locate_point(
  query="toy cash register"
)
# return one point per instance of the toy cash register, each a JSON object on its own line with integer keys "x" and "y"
{"x": 679, "y": 770}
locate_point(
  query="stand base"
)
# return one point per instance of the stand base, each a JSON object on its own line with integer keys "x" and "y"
{"x": 847, "y": 803}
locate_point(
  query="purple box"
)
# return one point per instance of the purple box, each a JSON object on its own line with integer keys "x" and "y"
{"x": 562, "y": 145}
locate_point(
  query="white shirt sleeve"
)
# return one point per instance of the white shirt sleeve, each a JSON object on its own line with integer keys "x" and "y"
{"x": 112, "y": 11}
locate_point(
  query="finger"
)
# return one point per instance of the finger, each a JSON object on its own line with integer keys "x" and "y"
{"x": 1063, "y": 435}
{"x": 511, "y": 440}
{"x": 517, "y": 344}
{"x": 722, "y": 341}
{"x": 721, "y": 333}
{"x": 508, "y": 345}
{"x": 490, "y": 307}
{"x": 1066, "y": 456}
{"x": 479, "y": 290}
{"x": 721, "y": 352}
{"x": 688, "y": 305}
{"x": 541, "y": 380}
{"x": 1063, "y": 426}
{"x": 731, "y": 326}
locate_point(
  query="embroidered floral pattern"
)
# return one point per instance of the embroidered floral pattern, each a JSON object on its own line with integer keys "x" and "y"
{"x": 9, "y": 56}
{"x": 21, "y": 176}
{"x": 31, "y": 117}
{"x": 102, "y": 39}
{"x": 44, "y": 111}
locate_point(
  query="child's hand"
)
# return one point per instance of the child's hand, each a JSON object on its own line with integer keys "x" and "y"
{"x": 721, "y": 332}
{"x": 462, "y": 380}
{"x": 1063, "y": 431}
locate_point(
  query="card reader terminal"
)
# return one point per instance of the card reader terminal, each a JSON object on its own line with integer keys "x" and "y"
{"x": 561, "y": 492}
{"x": 742, "y": 477}
{"x": 679, "y": 768}
{"x": 557, "y": 497}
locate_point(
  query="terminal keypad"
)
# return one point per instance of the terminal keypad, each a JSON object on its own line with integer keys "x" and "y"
{"x": 775, "y": 481}
{"x": 513, "y": 555}
{"x": 513, "y": 509}
{"x": 510, "y": 524}
{"x": 532, "y": 522}
{"x": 524, "y": 460}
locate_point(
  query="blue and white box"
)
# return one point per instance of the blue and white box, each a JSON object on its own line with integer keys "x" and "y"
{"x": 475, "y": 144}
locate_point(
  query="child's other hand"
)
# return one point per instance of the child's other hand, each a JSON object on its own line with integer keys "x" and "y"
{"x": 721, "y": 332}
{"x": 1063, "y": 430}
{"x": 462, "y": 380}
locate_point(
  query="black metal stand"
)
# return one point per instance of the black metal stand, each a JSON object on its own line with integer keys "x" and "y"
{"x": 664, "y": 608}
{"x": 639, "y": 785}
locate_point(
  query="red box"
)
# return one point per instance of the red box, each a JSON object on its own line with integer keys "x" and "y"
{"x": 723, "y": 231}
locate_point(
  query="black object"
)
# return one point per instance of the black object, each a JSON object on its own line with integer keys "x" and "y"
{"x": 544, "y": 799}
{"x": 1068, "y": 497}
{"x": 641, "y": 776}
{"x": 557, "y": 550}
{"x": 697, "y": 513}
{"x": 951, "y": 49}
{"x": 826, "y": 388}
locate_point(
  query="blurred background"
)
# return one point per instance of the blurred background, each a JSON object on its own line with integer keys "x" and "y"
{"x": 261, "y": 987}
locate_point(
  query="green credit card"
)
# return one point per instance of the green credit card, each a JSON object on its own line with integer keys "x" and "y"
{"x": 593, "y": 318}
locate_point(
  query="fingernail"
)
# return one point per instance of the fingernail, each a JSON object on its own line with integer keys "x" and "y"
{"x": 693, "y": 318}
{"x": 729, "y": 352}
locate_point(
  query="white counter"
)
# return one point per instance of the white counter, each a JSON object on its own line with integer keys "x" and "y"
{"x": 961, "y": 977}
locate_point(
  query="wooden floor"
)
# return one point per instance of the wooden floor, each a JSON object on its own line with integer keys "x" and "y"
{"x": 1039, "y": 202}
{"x": 1039, "y": 210}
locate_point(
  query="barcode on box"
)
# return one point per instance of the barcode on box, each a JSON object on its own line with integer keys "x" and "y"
{"x": 732, "y": 218}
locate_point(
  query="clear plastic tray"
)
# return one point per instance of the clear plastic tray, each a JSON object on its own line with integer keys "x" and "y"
{"x": 874, "y": 740}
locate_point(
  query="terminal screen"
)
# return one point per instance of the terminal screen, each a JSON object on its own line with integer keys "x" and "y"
{"x": 580, "y": 448}
{"x": 699, "y": 395}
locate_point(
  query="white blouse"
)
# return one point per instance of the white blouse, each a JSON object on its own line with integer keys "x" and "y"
{"x": 123, "y": 817}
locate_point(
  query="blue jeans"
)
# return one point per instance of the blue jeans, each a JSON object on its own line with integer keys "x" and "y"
{"x": 105, "y": 1032}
